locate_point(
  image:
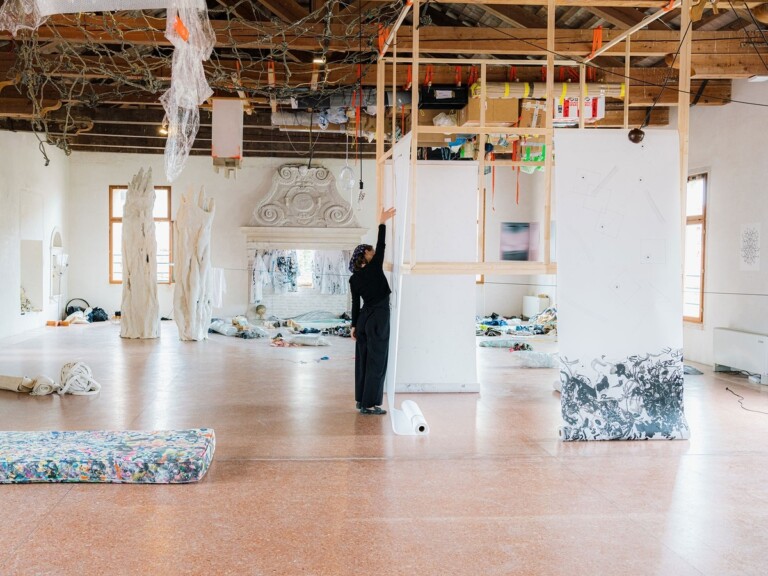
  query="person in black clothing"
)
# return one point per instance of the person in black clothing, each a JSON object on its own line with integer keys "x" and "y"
{"x": 370, "y": 326}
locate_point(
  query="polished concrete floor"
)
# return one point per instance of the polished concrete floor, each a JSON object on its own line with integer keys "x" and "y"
{"x": 303, "y": 484}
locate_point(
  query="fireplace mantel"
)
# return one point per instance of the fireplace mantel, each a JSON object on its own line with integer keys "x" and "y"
{"x": 278, "y": 237}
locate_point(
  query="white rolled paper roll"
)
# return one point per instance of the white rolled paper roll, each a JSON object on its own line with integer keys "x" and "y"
{"x": 415, "y": 417}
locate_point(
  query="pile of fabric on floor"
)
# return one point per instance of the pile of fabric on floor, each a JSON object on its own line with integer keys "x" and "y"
{"x": 237, "y": 326}
{"x": 495, "y": 325}
{"x": 280, "y": 341}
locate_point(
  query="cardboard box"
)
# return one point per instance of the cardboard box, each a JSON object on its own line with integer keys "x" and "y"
{"x": 532, "y": 113}
{"x": 594, "y": 108}
{"x": 498, "y": 112}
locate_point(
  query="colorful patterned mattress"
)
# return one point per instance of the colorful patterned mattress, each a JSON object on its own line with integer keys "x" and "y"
{"x": 159, "y": 457}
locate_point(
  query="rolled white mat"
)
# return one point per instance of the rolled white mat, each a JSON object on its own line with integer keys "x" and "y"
{"x": 415, "y": 417}
{"x": 44, "y": 386}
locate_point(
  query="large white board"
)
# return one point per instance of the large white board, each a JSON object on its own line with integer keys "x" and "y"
{"x": 619, "y": 285}
{"x": 432, "y": 347}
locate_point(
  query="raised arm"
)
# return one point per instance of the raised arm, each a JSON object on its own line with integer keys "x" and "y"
{"x": 378, "y": 257}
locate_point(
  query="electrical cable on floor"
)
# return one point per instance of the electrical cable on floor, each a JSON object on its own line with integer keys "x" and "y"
{"x": 741, "y": 402}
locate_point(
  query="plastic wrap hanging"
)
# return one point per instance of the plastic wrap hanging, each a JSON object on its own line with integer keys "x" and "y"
{"x": 190, "y": 32}
{"x": 18, "y": 14}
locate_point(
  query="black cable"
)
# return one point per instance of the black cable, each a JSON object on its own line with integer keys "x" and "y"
{"x": 741, "y": 402}
{"x": 666, "y": 78}
{"x": 606, "y": 71}
{"x": 311, "y": 146}
{"x": 754, "y": 21}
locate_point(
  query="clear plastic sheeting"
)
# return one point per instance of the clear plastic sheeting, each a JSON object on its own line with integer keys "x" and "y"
{"x": 30, "y": 14}
{"x": 18, "y": 14}
{"x": 190, "y": 32}
{"x": 48, "y": 7}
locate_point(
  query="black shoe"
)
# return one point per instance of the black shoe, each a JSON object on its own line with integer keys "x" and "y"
{"x": 358, "y": 405}
{"x": 373, "y": 410}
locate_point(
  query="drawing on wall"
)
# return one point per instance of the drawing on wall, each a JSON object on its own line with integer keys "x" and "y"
{"x": 749, "y": 248}
{"x": 519, "y": 241}
{"x": 636, "y": 398}
{"x": 619, "y": 291}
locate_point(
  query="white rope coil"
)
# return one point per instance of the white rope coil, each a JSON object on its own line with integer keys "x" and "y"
{"x": 76, "y": 378}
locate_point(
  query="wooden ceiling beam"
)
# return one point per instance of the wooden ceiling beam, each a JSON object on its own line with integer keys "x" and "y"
{"x": 436, "y": 40}
{"x": 286, "y": 10}
{"x": 623, "y": 18}
{"x": 515, "y": 16}
{"x": 723, "y": 4}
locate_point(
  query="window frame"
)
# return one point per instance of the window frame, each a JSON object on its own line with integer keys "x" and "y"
{"x": 696, "y": 220}
{"x": 114, "y": 219}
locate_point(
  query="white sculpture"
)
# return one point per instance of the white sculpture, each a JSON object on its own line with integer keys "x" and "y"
{"x": 192, "y": 266}
{"x": 140, "y": 310}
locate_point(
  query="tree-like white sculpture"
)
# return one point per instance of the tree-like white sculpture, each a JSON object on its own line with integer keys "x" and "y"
{"x": 192, "y": 266}
{"x": 140, "y": 310}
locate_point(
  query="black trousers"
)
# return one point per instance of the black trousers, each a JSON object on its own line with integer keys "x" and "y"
{"x": 371, "y": 353}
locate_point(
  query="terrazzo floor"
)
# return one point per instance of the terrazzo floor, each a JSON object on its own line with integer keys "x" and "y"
{"x": 301, "y": 483}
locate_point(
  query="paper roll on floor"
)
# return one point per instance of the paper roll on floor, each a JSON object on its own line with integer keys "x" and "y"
{"x": 415, "y": 417}
{"x": 408, "y": 420}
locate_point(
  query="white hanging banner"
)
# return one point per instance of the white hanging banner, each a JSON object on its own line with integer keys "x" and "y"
{"x": 619, "y": 282}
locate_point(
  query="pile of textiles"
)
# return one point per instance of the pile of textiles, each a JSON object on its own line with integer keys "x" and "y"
{"x": 546, "y": 318}
{"x": 237, "y": 326}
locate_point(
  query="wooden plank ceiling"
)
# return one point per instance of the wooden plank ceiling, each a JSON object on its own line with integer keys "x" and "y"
{"x": 92, "y": 82}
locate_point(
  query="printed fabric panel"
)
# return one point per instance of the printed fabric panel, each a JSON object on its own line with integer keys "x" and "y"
{"x": 637, "y": 398}
{"x": 159, "y": 457}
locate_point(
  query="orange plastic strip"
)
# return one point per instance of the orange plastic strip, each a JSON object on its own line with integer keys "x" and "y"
{"x": 597, "y": 40}
{"x": 181, "y": 30}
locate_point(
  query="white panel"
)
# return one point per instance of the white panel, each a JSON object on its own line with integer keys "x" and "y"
{"x": 227, "y": 130}
{"x": 437, "y": 350}
{"x": 445, "y": 360}
{"x": 619, "y": 285}
{"x": 446, "y": 212}
{"x": 619, "y": 268}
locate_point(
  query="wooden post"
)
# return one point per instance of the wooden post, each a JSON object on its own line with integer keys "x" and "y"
{"x": 380, "y": 118}
{"x": 683, "y": 116}
{"x": 548, "y": 138}
{"x": 626, "y": 81}
{"x": 481, "y": 137}
{"x": 414, "y": 128}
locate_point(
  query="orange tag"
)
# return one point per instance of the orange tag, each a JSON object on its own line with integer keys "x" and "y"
{"x": 181, "y": 30}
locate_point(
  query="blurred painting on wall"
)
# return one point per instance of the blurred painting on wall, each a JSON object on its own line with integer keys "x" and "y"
{"x": 519, "y": 241}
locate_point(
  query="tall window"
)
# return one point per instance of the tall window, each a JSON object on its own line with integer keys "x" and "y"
{"x": 162, "y": 215}
{"x": 695, "y": 235}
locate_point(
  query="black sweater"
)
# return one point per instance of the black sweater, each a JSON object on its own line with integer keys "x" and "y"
{"x": 370, "y": 282}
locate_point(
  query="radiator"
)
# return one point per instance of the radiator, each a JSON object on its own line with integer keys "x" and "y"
{"x": 736, "y": 350}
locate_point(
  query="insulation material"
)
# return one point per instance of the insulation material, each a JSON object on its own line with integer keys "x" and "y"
{"x": 139, "y": 309}
{"x": 619, "y": 291}
{"x": 193, "y": 293}
{"x": 119, "y": 456}
{"x": 190, "y": 32}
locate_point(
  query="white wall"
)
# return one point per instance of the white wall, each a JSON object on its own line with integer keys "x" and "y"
{"x": 32, "y": 199}
{"x": 504, "y": 294}
{"x": 729, "y": 142}
{"x": 93, "y": 173}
